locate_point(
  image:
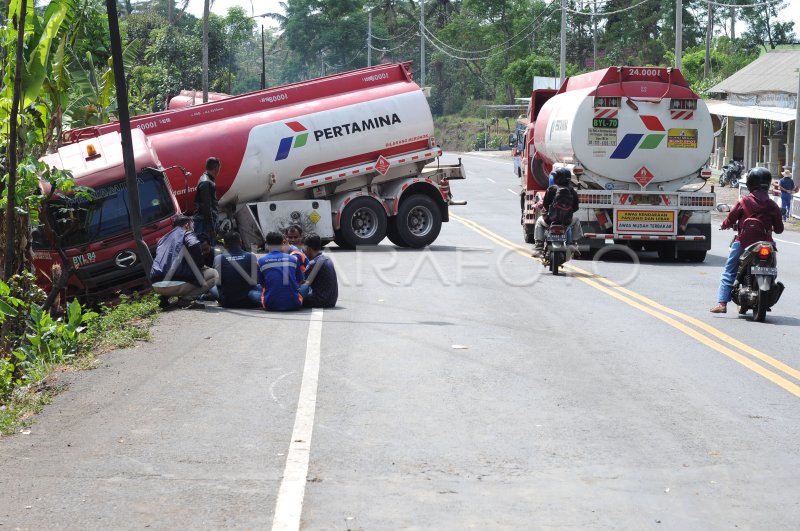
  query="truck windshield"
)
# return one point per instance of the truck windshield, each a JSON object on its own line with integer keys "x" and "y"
{"x": 81, "y": 220}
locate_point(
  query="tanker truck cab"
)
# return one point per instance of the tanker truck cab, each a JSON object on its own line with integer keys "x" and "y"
{"x": 94, "y": 232}
{"x": 638, "y": 141}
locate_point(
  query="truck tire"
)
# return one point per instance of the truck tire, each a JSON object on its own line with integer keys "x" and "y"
{"x": 527, "y": 233}
{"x": 666, "y": 252}
{"x": 693, "y": 255}
{"x": 418, "y": 221}
{"x": 363, "y": 222}
{"x": 392, "y": 234}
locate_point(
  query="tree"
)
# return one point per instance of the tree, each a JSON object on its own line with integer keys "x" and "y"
{"x": 26, "y": 67}
{"x": 764, "y": 28}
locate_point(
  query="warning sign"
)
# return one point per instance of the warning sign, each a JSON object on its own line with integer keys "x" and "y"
{"x": 314, "y": 217}
{"x": 645, "y": 221}
{"x": 602, "y": 137}
{"x": 682, "y": 138}
{"x": 382, "y": 165}
{"x": 643, "y": 176}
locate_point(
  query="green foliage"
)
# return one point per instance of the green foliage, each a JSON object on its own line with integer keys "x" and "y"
{"x": 50, "y": 341}
{"x": 121, "y": 325}
{"x": 520, "y": 73}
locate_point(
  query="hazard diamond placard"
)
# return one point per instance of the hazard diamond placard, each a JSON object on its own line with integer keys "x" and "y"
{"x": 382, "y": 165}
{"x": 643, "y": 176}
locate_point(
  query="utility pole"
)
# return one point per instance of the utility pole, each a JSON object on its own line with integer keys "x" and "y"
{"x": 709, "y": 31}
{"x": 733, "y": 23}
{"x": 563, "y": 57}
{"x": 594, "y": 34}
{"x": 369, "y": 39}
{"x": 678, "y": 33}
{"x": 422, "y": 41}
{"x": 206, "y": 13}
{"x": 263, "y": 60}
{"x": 134, "y": 212}
{"x": 796, "y": 149}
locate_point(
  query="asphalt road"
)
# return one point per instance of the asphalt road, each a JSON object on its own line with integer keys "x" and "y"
{"x": 456, "y": 387}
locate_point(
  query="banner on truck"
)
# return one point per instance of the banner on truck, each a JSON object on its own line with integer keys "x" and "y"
{"x": 645, "y": 222}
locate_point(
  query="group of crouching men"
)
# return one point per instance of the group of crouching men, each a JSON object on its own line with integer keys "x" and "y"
{"x": 287, "y": 278}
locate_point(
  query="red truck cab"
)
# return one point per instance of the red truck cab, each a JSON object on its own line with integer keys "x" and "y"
{"x": 95, "y": 233}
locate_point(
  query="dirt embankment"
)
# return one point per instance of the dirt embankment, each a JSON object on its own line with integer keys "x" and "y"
{"x": 453, "y": 134}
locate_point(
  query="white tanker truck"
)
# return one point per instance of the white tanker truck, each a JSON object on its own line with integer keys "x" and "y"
{"x": 637, "y": 141}
{"x": 344, "y": 156}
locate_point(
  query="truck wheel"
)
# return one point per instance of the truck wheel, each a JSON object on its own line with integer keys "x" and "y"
{"x": 419, "y": 221}
{"x": 363, "y": 222}
{"x": 696, "y": 256}
{"x": 393, "y": 234}
{"x": 666, "y": 252}
{"x": 528, "y": 233}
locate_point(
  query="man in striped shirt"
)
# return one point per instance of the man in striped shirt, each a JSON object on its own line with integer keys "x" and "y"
{"x": 279, "y": 276}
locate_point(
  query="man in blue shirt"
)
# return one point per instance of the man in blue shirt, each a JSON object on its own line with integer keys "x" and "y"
{"x": 321, "y": 288}
{"x": 787, "y": 186}
{"x": 279, "y": 276}
{"x": 238, "y": 272}
{"x": 178, "y": 269}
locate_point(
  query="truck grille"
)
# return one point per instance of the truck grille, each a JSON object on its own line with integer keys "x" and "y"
{"x": 106, "y": 277}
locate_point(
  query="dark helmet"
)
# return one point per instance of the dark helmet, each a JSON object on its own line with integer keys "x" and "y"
{"x": 561, "y": 176}
{"x": 759, "y": 179}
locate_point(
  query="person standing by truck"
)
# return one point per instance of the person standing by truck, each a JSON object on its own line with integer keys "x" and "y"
{"x": 206, "y": 206}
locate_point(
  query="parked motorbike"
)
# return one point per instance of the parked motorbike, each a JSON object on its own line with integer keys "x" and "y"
{"x": 556, "y": 249}
{"x": 756, "y": 287}
{"x": 731, "y": 173}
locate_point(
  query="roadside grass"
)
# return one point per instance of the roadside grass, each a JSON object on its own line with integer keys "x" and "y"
{"x": 117, "y": 326}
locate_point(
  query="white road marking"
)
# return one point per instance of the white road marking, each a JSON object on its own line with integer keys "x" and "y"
{"x": 272, "y": 389}
{"x": 784, "y": 241}
{"x": 512, "y": 191}
{"x": 491, "y": 180}
{"x": 289, "y": 505}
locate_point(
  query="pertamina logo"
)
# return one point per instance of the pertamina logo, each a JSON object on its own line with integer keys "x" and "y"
{"x": 631, "y": 140}
{"x": 332, "y": 132}
{"x": 286, "y": 143}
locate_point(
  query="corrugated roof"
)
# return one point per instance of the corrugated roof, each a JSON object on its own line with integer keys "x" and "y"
{"x": 775, "y": 71}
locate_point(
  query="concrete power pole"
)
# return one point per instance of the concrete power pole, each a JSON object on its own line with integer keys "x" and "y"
{"x": 563, "y": 58}
{"x": 594, "y": 33}
{"x": 678, "y": 33}
{"x": 369, "y": 39}
{"x": 709, "y": 32}
{"x": 422, "y": 41}
{"x": 796, "y": 150}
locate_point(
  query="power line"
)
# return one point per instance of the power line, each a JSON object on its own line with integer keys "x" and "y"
{"x": 742, "y": 6}
{"x": 606, "y": 13}
{"x": 430, "y": 36}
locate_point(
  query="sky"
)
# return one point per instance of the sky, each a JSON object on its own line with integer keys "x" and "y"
{"x": 251, "y": 7}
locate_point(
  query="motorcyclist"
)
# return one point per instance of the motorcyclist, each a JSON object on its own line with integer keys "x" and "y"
{"x": 561, "y": 178}
{"x": 757, "y": 204}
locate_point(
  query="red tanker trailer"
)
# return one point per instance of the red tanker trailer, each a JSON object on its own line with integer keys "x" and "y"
{"x": 637, "y": 141}
{"x": 344, "y": 155}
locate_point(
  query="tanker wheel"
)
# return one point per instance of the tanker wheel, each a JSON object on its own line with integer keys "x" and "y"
{"x": 418, "y": 221}
{"x": 393, "y": 234}
{"x": 666, "y": 252}
{"x": 363, "y": 222}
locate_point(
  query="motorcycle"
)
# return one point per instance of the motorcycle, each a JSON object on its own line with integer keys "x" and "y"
{"x": 731, "y": 173}
{"x": 556, "y": 249}
{"x": 756, "y": 286}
